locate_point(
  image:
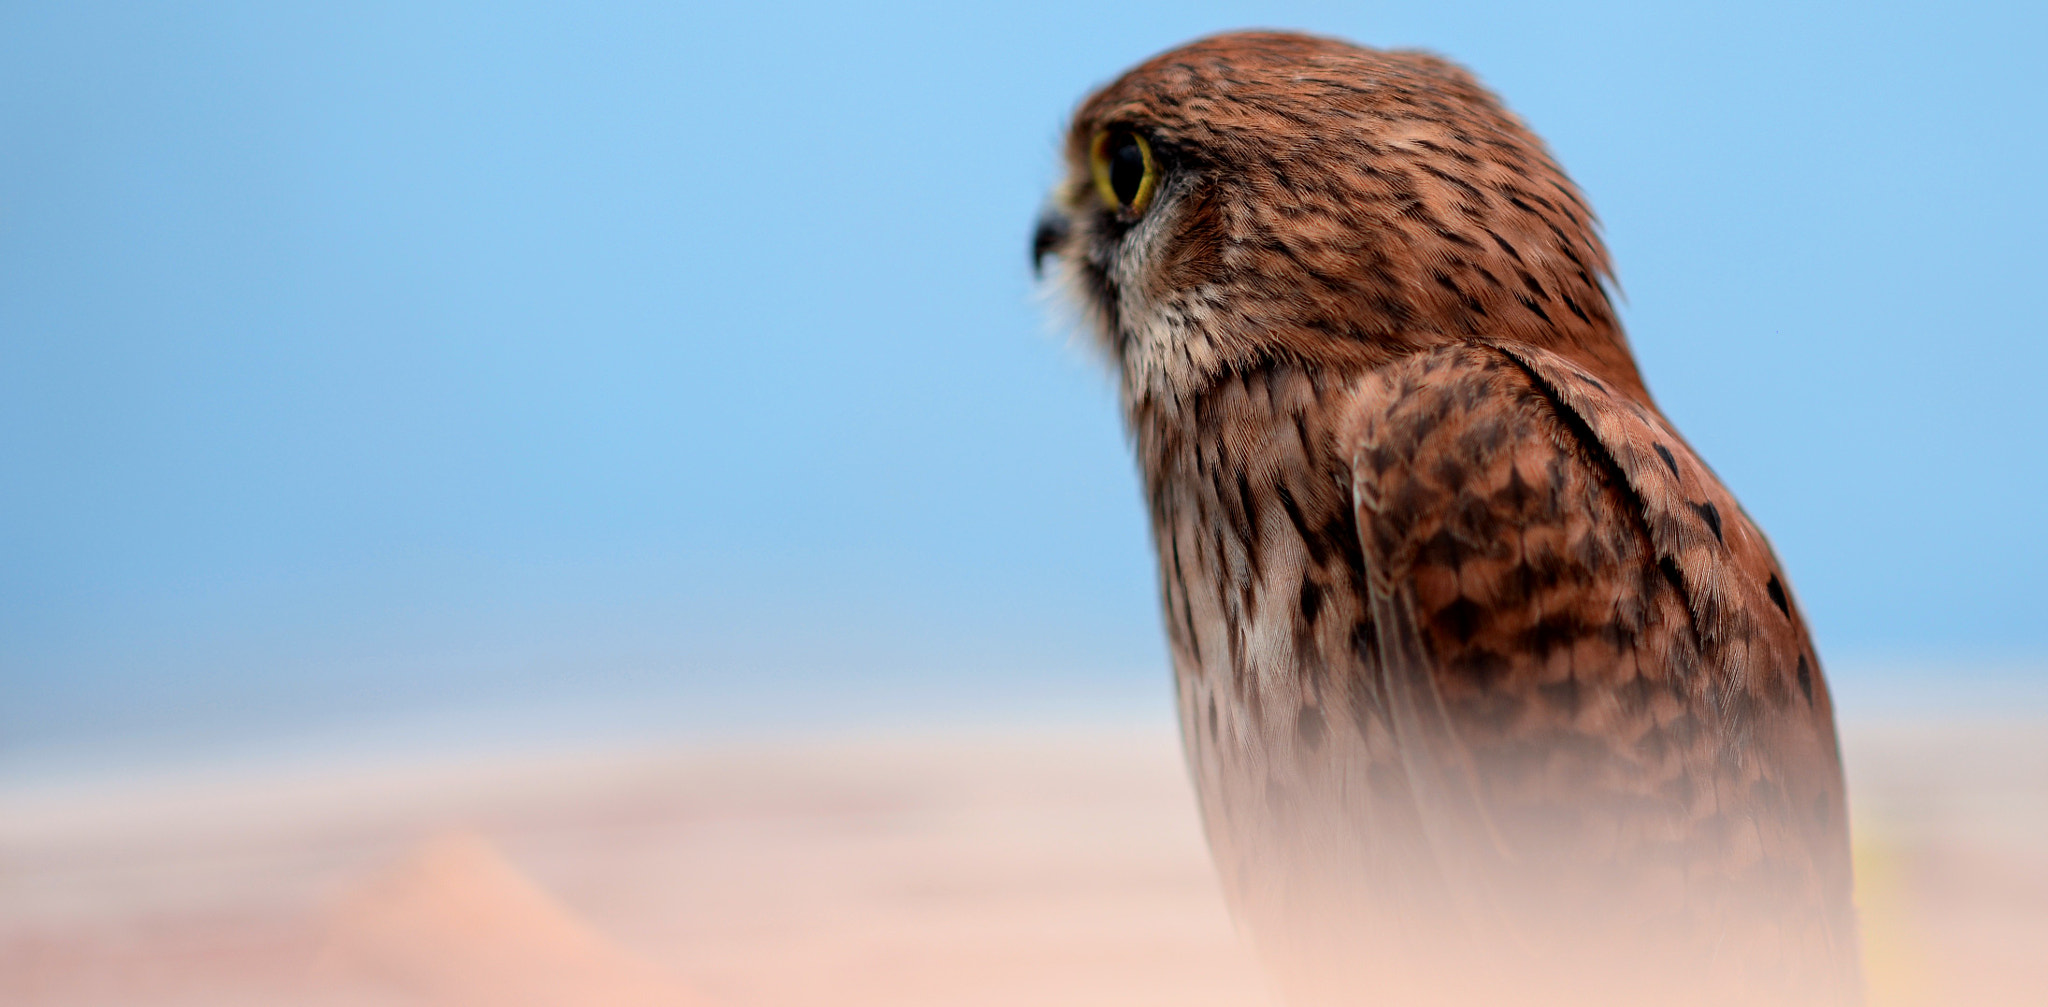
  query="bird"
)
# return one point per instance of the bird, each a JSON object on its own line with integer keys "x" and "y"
{"x": 1490, "y": 690}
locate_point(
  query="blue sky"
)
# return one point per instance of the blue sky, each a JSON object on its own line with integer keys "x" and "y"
{"x": 363, "y": 359}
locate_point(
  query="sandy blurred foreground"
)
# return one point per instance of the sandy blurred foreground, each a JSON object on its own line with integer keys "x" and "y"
{"x": 1008, "y": 868}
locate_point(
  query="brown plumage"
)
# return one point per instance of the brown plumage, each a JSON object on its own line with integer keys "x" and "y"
{"x": 1488, "y": 685}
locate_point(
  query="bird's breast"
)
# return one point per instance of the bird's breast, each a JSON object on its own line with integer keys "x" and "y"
{"x": 1262, "y": 587}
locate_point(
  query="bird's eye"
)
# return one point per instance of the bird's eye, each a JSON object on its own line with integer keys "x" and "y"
{"x": 1125, "y": 172}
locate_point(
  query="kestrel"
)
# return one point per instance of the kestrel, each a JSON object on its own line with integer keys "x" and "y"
{"x": 1490, "y": 689}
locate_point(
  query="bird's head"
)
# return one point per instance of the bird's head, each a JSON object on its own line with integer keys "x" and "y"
{"x": 1263, "y": 197}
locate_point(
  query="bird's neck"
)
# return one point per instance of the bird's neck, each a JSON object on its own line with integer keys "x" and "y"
{"x": 1184, "y": 391}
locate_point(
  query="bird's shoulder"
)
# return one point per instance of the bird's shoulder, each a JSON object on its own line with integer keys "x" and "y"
{"x": 1573, "y": 614}
{"x": 1497, "y": 478}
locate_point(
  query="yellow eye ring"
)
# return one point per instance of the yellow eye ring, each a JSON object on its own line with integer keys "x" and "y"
{"x": 1125, "y": 170}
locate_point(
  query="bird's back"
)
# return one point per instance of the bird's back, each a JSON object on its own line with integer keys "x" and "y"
{"x": 1485, "y": 679}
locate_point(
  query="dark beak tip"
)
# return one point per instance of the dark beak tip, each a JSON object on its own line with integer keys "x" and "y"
{"x": 1046, "y": 239}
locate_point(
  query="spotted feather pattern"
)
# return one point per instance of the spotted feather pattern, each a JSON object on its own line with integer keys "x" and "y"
{"x": 1597, "y": 683}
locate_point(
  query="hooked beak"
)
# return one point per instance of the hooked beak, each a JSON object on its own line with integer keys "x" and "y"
{"x": 1047, "y": 238}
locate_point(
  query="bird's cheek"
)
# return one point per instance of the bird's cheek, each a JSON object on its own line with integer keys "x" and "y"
{"x": 1190, "y": 254}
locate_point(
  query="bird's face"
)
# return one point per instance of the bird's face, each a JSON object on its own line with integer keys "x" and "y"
{"x": 1132, "y": 238}
{"x": 1262, "y": 197}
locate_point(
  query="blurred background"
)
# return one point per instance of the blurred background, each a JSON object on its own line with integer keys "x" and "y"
{"x": 380, "y": 379}
{"x": 680, "y": 366}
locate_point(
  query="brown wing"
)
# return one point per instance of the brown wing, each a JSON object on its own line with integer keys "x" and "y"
{"x": 1604, "y": 698}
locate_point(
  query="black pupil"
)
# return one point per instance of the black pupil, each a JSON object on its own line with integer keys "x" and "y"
{"x": 1126, "y": 167}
